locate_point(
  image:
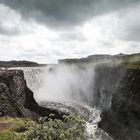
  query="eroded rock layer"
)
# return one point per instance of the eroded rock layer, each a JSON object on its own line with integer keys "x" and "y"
{"x": 16, "y": 99}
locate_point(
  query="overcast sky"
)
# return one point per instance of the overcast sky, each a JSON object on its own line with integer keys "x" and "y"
{"x": 47, "y": 30}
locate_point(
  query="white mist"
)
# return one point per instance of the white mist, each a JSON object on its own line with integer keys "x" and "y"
{"x": 67, "y": 83}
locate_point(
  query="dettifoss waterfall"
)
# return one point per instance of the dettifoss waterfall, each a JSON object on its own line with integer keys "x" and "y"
{"x": 75, "y": 89}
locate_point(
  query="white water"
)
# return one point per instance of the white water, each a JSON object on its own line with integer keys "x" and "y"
{"x": 33, "y": 76}
{"x": 67, "y": 89}
{"x": 90, "y": 115}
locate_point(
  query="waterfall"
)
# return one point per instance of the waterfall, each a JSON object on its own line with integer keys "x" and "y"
{"x": 34, "y": 77}
{"x": 68, "y": 83}
{"x": 81, "y": 89}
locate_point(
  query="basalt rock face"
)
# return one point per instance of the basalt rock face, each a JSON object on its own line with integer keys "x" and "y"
{"x": 107, "y": 78}
{"x": 16, "y": 99}
{"x": 122, "y": 120}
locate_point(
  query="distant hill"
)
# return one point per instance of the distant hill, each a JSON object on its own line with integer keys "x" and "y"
{"x": 103, "y": 58}
{"x": 7, "y": 64}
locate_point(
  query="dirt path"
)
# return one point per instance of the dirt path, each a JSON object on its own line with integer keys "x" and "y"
{"x": 4, "y": 126}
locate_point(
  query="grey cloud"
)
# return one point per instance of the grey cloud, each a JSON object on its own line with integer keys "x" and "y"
{"x": 58, "y": 53}
{"x": 7, "y": 27}
{"x": 130, "y": 24}
{"x": 133, "y": 34}
{"x": 11, "y": 22}
{"x": 5, "y": 31}
{"x": 61, "y": 13}
{"x": 12, "y": 29}
{"x": 106, "y": 44}
{"x": 73, "y": 36}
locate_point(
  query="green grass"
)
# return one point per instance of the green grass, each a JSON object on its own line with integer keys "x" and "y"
{"x": 132, "y": 65}
{"x": 7, "y": 133}
{"x": 132, "y": 58}
{"x": 132, "y": 61}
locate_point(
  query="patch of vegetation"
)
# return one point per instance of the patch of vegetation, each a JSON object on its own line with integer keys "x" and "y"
{"x": 132, "y": 61}
{"x": 132, "y": 65}
{"x": 9, "y": 125}
{"x": 132, "y": 58}
{"x": 71, "y": 128}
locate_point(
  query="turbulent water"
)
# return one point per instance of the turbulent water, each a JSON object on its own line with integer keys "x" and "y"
{"x": 90, "y": 115}
{"x": 67, "y": 89}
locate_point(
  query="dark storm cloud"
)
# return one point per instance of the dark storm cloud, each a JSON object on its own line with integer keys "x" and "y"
{"x": 62, "y": 13}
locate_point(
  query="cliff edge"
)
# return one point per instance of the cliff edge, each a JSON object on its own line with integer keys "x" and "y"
{"x": 122, "y": 119}
{"x": 16, "y": 99}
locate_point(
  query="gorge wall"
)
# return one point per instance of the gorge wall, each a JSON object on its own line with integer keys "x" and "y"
{"x": 16, "y": 99}
{"x": 110, "y": 87}
{"x": 122, "y": 119}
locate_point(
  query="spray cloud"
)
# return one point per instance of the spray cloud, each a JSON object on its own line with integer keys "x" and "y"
{"x": 67, "y": 83}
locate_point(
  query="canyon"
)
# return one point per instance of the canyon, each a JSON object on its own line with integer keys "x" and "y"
{"x": 104, "y": 90}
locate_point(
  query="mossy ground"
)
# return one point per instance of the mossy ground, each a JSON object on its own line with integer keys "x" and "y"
{"x": 132, "y": 65}
{"x": 132, "y": 62}
{"x": 10, "y": 125}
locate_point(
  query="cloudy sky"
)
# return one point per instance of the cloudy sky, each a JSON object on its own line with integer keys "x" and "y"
{"x": 47, "y": 30}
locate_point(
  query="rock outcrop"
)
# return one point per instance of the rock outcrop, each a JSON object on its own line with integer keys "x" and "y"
{"x": 106, "y": 80}
{"x": 122, "y": 119}
{"x": 16, "y": 99}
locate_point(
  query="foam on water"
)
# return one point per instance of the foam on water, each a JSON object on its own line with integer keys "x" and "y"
{"x": 89, "y": 114}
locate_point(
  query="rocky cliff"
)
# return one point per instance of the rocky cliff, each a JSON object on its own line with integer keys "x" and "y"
{"x": 122, "y": 119}
{"x": 16, "y": 99}
{"x": 106, "y": 78}
{"x": 116, "y": 93}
